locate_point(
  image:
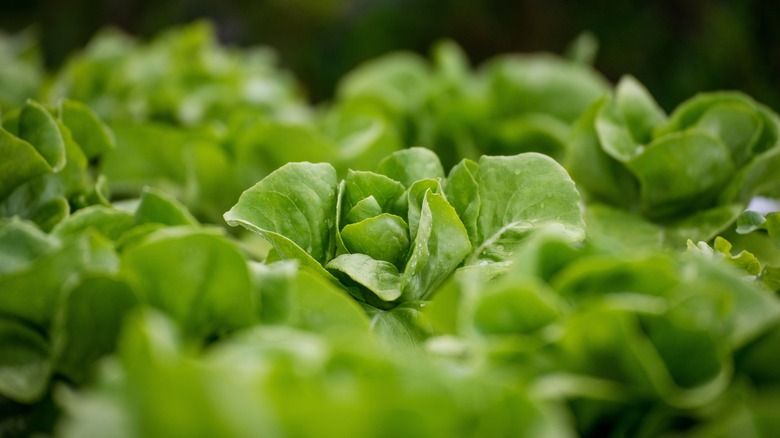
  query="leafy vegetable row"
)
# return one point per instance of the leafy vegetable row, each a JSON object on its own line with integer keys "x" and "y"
{"x": 482, "y": 296}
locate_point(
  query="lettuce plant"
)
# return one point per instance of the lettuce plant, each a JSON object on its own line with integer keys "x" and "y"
{"x": 635, "y": 343}
{"x": 692, "y": 172}
{"x": 181, "y": 77}
{"x": 396, "y": 234}
{"x": 510, "y": 104}
{"x": 45, "y": 169}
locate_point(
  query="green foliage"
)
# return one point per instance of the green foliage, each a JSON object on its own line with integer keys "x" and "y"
{"x": 692, "y": 172}
{"x": 372, "y": 290}
{"x": 393, "y": 236}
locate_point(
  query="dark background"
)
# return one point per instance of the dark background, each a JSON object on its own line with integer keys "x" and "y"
{"x": 676, "y": 47}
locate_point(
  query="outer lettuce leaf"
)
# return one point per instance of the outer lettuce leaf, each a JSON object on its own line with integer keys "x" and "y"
{"x": 411, "y": 165}
{"x": 33, "y": 294}
{"x": 92, "y": 135}
{"x": 21, "y": 243}
{"x": 156, "y": 206}
{"x": 25, "y": 364}
{"x": 39, "y": 128}
{"x": 209, "y": 294}
{"x": 297, "y": 201}
{"x": 88, "y": 324}
{"x": 679, "y": 172}
{"x": 21, "y": 163}
{"x": 543, "y": 84}
{"x": 518, "y": 194}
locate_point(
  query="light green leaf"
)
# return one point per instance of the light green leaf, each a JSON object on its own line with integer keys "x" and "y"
{"x": 379, "y": 276}
{"x": 398, "y": 79}
{"x": 40, "y": 129}
{"x": 462, "y": 192}
{"x": 611, "y": 227}
{"x": 743, "y": 125}
{"x": 156, "y": 206}
{"x": 21, "y": 163}
{"x": 599, "y": 276}
{"x": 534, "y": 132}
{"x": 521, "y": 193}
{"x": 146, "y": 154}
{"x": 614, "y": 133}
{"x": 681, "y": 171}
{"x": 360, "y": 185}
{"x": 273, "y": 285}
{"x": 512, "y": 307}
{"x": 46, "y": 198}
{"x": 749, "y": 221}
{"x": 410, "y": 165}
{"x": 744, "y": 309}
{"x": 110, "y": 222}
{"x": 640, "y": 111}
{"x": 384, "y": 237}
{"x": 88, "y": 325}
{"x": 599, "y": 174}
{"x": 702, "y": 225}
{"x": 323, "y": 308}
{"x": 364, "y": 209}
{"x": 744, "y": 260}
{"x": 21, "y": 243}
{"x": 414, "y": 201}
{"x": 542, "y": 83}
{"x": 285, "y": 249}
{"x": 583, "y": 49}
{"x": 770, "y": 277}
{"x": 403, "y": 327}
{"x": 297, "y": 201}
{"x": 758, "y": 178}
{"x": 210, "y": 293}
{"x": 363, "y": 138}
{"x": 33, "y": 294}
{"x": 737, "y": 125}
{"x": 266, "y": 146}
{"x": 88, "y": 130}
{"x": 50, "y": 213}
{"x": 439, "y": 246}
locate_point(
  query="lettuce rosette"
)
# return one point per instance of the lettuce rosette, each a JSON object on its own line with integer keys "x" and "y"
{"x": 395, "y": 235}
{"x": 692, "y": 172}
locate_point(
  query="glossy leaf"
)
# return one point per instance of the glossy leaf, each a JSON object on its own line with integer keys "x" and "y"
{"x": 378, "y": 276}
{"x": 518, "y": 194}
{"x": 297, "y": 201}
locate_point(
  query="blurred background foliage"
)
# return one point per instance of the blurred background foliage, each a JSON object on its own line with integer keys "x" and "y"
{"x": 675, "y": 47}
